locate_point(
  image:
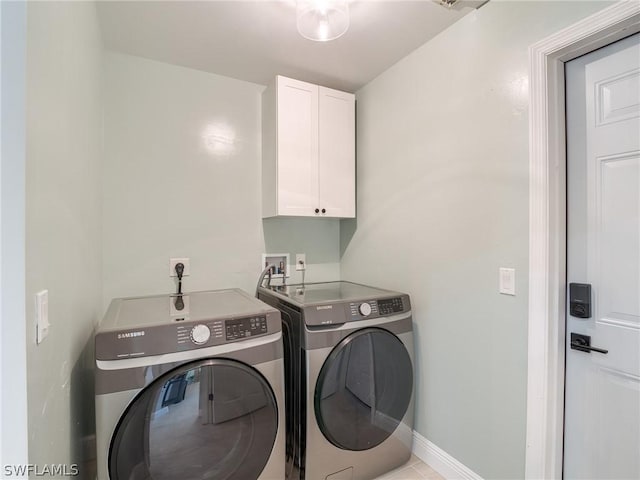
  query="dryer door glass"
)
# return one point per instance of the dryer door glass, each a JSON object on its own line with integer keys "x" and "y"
{"x": 212, "y": 419}
{"x": 364, "y": 389}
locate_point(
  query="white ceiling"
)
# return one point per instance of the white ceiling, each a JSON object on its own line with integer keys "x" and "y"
{"x": 256, "y": 40}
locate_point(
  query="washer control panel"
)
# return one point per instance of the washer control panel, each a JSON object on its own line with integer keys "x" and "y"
{"x": 245, "y": 327}
{"x": 364, "y": 309}
{"x": 375, "y": 308}
{"x": 389, "y": 306}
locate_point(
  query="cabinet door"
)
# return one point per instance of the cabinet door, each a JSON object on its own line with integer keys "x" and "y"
{"x": 297, "y": 148}
{"x": 337, "y": 153}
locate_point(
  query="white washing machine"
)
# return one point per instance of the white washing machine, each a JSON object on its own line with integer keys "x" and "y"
{"x": 190, "y": 388}
{"x": 349, "y": 379}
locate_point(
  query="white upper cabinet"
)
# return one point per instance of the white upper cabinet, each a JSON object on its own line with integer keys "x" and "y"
{"x": 336, "y": 153}
{"x": 308, "y": 150}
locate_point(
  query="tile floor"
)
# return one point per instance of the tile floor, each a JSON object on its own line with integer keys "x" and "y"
{"x": 414, "y": 469}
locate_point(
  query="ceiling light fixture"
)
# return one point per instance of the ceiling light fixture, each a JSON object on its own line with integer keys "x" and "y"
{"x": 322, "y": 20}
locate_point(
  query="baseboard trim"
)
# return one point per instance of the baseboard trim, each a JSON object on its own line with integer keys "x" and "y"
{"x": 441, "y": 461}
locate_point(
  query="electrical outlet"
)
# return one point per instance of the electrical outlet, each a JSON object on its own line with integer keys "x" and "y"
{"x": 301, "y": 261}
{"x": 172, "y": 266}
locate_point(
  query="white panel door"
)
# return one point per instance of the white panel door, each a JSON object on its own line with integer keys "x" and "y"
{"x": 337, "y": 169}
{"x": 297, "y": 155}
{"x": 602, "y": 390}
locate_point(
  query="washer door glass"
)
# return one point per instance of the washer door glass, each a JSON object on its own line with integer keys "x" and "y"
{"x": 212, "y": 419}
{"x": 364, "y": 389}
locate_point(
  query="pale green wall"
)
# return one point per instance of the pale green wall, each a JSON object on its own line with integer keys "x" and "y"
{"x": 167, "y": 195}
{"x": 13, "y": 345}
{"x": 443, "y": 203}
{"x": 63, "y": 223}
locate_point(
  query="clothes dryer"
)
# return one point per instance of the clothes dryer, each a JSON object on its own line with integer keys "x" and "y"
{"x": 190, "y": 388}
{"x": 349, "y": 379}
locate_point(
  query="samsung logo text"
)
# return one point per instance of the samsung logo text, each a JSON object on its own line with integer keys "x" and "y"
{"x": 131, "y": 334}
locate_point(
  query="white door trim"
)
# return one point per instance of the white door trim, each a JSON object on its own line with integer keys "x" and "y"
{"x": 547, "y": 226}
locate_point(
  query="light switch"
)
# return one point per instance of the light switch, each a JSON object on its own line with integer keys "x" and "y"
{"x": 508, "y": 281}
{"x": 42, "y": 315}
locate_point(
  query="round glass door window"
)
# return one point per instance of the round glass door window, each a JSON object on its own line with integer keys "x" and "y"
{"x": 364, "y": 389}
{"x": 213, "y": 419}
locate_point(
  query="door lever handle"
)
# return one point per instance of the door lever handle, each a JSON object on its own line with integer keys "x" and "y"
{"x": 585, "y": 348}
{"x": 583, "y": 343}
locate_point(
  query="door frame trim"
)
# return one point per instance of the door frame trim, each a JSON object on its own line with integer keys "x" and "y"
{"x": 547, "y": 226}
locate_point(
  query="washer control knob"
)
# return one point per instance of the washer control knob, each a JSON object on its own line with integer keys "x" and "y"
{"x": 200, "y": 334}
{"x": 365, "y": 309}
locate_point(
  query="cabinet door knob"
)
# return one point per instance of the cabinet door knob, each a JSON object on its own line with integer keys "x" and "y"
{"x": 324, "y": 211}
{"x": 317, "y": 210}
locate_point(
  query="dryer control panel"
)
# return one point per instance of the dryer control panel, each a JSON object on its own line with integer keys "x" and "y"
{"x": 245, "y": 327}
{"x": 154, "y": 325}
{"x": 182, "y": 336}
{"x": 199, "y": 334}
{"x": 216, "y": 332}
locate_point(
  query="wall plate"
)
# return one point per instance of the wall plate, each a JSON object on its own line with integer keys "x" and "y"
{"x": 301, "y": 261}
{"x": 42, "y": 315}
{"x": 507, "y": 281}
{"x": 172, "y": 266}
